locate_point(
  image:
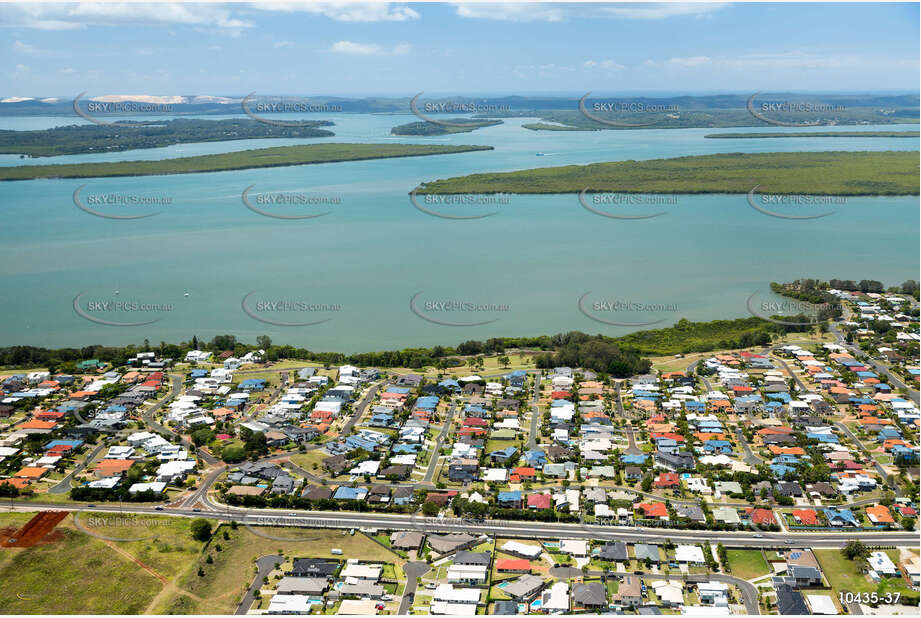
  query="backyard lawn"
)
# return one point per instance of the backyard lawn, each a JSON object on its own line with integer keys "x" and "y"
{"x": 747, "y": 563}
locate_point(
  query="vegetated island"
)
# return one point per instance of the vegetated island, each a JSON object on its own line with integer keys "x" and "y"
{"x": 815, "y": 134}
{"x": 279, "y": 156}
{"x": 813, "y": 173}
{"x": 129, "y": 135}
{"x": 543, "y": 126}
{"x": 433, "y": 128}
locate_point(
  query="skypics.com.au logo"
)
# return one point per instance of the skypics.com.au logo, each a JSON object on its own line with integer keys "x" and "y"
{"x": 798, "y": 113}
{"x": 624, "y": 107}
{"x": 281, "y": 204}
{"x": 260, "y": 109}
{"x": 453, "y": 107}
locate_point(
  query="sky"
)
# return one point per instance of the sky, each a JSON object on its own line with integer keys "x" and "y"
{"x": 400, "y": 49}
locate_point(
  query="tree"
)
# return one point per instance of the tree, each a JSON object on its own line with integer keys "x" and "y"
{"x": 202, "y": 436}
{"x": 430, "y": 509}
{"x": 201, "y": 529}
{"x": 908, "y": 523}
{"x": 855, "y": 549}
{"x": 264, "y": 342}
{"x": 647, "y": 483}
{"x": 505, "y": 361}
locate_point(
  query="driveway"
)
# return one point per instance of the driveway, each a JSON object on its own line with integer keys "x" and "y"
{"x": 266, "y": 565}
{"x": 413, "y": 570}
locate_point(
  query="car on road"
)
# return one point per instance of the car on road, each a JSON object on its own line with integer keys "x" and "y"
{"x": 759, "y": 536}
{"x": 196, "y": 510}
{"x": 158, "y": 508}
{"x": 92, "y": 506}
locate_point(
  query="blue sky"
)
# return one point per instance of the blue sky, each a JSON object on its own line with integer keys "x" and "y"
{"x": 400, "y": 49}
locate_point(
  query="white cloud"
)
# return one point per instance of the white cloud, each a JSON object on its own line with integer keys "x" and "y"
{"x": 62, "y": 16}
{"x": 542, "y": 11}
{"x": 345, "y": 11}
{"x": 25, "y": 48}
{"x": 608, "y": 65}
{"x": 280, "y": 44}
{"x": 792, "y": 60}
{"x": 369, "y": 49}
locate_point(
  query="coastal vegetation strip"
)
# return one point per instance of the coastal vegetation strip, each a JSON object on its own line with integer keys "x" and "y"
{"x": 682, "y": 117}
{"x": 432, "y": 128}
{"x": 815, "y": 134}
{"x": 246, "y": 159}
{"x": 92, "y": 138}
{"x": 788, "y": 173}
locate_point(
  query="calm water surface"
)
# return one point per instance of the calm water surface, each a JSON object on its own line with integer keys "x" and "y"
{"x": 522, "y": 270}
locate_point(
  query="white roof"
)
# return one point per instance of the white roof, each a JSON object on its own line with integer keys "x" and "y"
{"x": 495, "y": 474}
{"x": 689, "y": 553}
{"x": 521, "y": 548}
{"x": 290, "y": 604}
{"x": 574, "y": 546}
{"x": 821, "y": 604}
{"x": 669, "y": 591}
{"x": 362, "y": 571}
{"x": 443, "y": 608}
{"x": 156, "y": 487}
{"x": 448, "y": 593}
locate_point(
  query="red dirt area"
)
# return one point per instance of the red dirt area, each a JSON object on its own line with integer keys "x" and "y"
{"x": 35, "y": 530}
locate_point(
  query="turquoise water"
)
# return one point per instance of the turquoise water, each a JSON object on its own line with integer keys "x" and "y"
{"x": 530, "y": 263}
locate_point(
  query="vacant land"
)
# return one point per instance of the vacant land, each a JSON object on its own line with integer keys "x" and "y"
{"x": 225, "y": 580}
{"x": 844, "y": 575}
{"x": 815, "y": 134}
{"x": 246, "y": 159}
{"x": 814, "y": 173}
{"x": 747, "y": 563}
{"x": 75, "y": 573}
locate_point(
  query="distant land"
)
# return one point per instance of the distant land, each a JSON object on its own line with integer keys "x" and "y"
{"x": 263, "y": 157}
{"x": 94, "y": 138}
{"x": 433, "y": 128}
{"x": 713, "y": 118}
{"x": 788, "y": 173}
{"x": 815, "y": 134}
{"x": 720, "y": 110}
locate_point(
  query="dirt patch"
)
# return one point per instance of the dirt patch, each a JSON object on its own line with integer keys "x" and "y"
{"x": 36, "y": 530}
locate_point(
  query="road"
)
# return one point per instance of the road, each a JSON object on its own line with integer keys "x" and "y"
{"x": 632, "y": 448}
{"x": 748, "y": 590}
{"x": 878, "y": 366}
{"x": 436, "y": 450}
{"x": 535, "y": 413}
{"x": 200, "y": 494}
{"x": 750, "y": 457}
{"x": 504, "y": 528}
{"x": 266, "y": 565}
{"x": 879, "y": 468}
{"x": 149, "y": 418}
{"x": 412, "y": 571}
{"x": 64, "y": 486}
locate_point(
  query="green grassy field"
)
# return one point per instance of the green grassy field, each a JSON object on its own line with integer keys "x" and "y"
{"x": 75, "y": 573}
{"x": 815, "y": 134}
{"x": 747, "y": 563}
{"x": 844, "y": 576}
{"x": 814, "y": 173}
{"x": 246, "y": 159}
